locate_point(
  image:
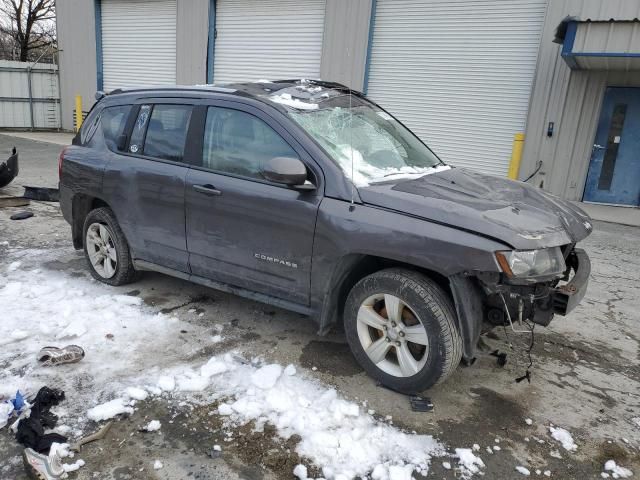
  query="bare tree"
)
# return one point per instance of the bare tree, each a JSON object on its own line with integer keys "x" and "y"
{"x": 26, "y": 27}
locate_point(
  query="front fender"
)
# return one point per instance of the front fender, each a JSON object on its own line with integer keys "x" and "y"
{"x": 348, "y": 231}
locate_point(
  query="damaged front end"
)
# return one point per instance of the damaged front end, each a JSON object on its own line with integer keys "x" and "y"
{"x": 527, "y": 290}
{"x": 513, "y": 298}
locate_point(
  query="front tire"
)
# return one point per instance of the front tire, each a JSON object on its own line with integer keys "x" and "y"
{"x": 106, "y": 248}
{"x": 401, "y": 327}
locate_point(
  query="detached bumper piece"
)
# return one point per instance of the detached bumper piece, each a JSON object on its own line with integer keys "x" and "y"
{"x": 566, "y": 297}
{"x": 9, "y": 169}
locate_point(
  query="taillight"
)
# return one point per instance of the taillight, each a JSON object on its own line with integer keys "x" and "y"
{"x": 60, "y": 160}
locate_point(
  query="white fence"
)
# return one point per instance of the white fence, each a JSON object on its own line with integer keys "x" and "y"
{"x": 29, "y": 95}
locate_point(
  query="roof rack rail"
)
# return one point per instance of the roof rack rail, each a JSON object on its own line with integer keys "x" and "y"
{"x": 194, "y": 88}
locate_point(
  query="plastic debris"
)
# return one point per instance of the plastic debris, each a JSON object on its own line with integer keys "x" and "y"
{"x": 21, "y": 215}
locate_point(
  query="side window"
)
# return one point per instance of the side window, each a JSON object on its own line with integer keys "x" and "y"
{"x": 89, "y": 127}
{"x": 167, "y": 132}
{"x": 239, "y": 143}
{"x": 140, "y": 127}
{"x": 114, "y": 120}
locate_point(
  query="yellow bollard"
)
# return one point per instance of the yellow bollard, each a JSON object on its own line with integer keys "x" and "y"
{"x": 78, "y": 112}
{"x": 516, "y": 156}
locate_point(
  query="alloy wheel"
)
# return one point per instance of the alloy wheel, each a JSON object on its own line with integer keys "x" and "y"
{"x": 101, "y": 250}
{"x": 392, "y": 335}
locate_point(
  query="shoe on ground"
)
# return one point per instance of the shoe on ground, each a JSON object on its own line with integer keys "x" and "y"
{"x": 51, "y": 356}
{"x": 42, "y": 467}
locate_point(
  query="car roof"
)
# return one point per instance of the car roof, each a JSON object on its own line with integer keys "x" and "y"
{"x": 295, "y": 94}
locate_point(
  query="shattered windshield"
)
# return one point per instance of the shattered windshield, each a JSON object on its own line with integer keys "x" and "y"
{"x": 366, "y": 141}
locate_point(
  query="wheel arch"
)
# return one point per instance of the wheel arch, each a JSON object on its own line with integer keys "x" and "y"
{"x": 350, "y": 269}
{"x": 81, "y": 205}
{"x": 464, "y": 292}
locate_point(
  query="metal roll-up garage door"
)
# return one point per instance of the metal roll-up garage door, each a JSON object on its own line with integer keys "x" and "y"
{"x": 459, "y": 73}
{"x": 264, "y": 39}
{"x": 138, "y": 43}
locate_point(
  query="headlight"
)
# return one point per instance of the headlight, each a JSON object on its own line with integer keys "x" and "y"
{"x": 531, "y": 263}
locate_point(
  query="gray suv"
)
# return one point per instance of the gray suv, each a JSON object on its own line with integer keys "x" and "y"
{"x": 308, "y": 196}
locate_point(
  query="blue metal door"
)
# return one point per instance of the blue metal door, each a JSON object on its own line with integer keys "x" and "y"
{"x": 614, "y": 172}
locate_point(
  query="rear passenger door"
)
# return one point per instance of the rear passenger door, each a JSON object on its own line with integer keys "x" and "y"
{"x": 241, "y": 229}
{"x": 145, "y": 183}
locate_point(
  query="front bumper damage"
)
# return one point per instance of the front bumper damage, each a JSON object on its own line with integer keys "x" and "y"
{"x": 486, "y": 300}
{"x": 567, "y": 296}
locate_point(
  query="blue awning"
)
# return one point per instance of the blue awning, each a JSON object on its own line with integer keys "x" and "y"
{"x": 602, "y": 45}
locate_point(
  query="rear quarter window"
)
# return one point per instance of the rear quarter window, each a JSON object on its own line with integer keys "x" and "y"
{"x": 113, "y": 121}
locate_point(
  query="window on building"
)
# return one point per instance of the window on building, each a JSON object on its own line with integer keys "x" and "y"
{"x": 239, "y": 143}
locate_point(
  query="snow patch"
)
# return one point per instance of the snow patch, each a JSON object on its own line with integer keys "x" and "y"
{"x": 152, "y": 426}
{"x": 72, "y": 467}
{"x": 300, "y": 471}
{"x": 287, "y": 99}
{"x": 136, "y": 393}
{"x": 564, "y": 437}
{"x": 469, "y": 463}
{"x": 335, "y": 434}
{"x": 109, "y": 410}
{"x": 167, "y": 383}
{"x": 267, "y": 376}
{"x": 13, "y": 266}
{"x": 616, "y": 470}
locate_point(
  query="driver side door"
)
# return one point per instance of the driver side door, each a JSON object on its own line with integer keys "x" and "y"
{"x": 243, "y": 230}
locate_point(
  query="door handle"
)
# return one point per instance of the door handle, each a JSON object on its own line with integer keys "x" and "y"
{"x": 207, "y": 190}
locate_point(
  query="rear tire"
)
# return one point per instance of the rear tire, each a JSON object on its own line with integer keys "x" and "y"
{"x": 401, "y": 327}
{"x": 106, "y": 248}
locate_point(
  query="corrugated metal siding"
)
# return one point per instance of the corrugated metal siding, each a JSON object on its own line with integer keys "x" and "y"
{"x": 346, "y": 36}
{"x": 191, "y": 41}
{"x": 268, "y": 39}
{"x": 571, "y": 100}
{"x": 44, "y": 90}
{"x": 138, "y": 43}
{"x": 75, "y": 22}
{"x": 458, "y": 73}
{"x": 607, "y": 37}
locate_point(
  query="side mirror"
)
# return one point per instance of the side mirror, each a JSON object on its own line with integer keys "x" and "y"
{"x": 286, "y": 170}
{"x": 121, "y": 142}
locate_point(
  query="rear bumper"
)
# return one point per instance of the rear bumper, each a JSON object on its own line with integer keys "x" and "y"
{"x": 566, "y": 297}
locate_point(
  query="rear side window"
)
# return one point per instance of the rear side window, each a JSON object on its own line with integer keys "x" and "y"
{"x": 160, "y": 131}
{"x": 114, "y": 120}
{"x": 167, "y": 132}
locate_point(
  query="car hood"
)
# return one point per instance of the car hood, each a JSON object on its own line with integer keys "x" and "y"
{"x": 515, "y": 213}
